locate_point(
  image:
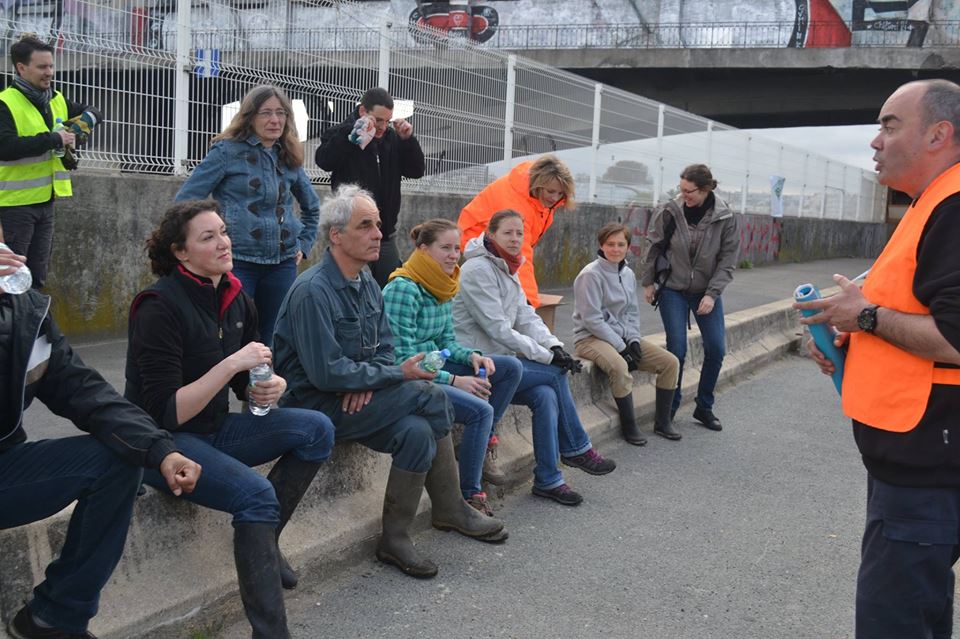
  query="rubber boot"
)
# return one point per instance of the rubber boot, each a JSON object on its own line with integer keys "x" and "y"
{"x": 491, "y": 468}
{"x": 290, "y": 477}
{"x": 400, "y": 503}
{"x": 450, "y": 510}
{"x": 628, "y": 421}
{"x": 663, "y": 420}
{"x": 258, "y": 573}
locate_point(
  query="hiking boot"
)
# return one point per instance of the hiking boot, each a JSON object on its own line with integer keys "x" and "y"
{"x": 491, "y": 469}
{"x": 590, "y": 462}
{"x": 562, "y": 494}
{"x": 479, "y": 501}
{"x": 23, "y": 626}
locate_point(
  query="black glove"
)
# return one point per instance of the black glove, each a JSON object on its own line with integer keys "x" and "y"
{"x": 636, "y": 351}
{"x": 562, "y": 359}
{"x": 628, "y": 358}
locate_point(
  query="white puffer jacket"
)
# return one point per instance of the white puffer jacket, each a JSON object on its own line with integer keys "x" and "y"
{"x": 491, "y": 314}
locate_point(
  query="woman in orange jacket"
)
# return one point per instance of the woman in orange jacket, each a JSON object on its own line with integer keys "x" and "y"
{"x": 533, "y": 189}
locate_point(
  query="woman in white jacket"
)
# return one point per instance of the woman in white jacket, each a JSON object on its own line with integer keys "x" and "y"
{"x": 492, "y": 315}
{"x": 606, "y": 330}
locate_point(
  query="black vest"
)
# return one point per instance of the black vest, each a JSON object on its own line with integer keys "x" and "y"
{"x": 208, "y": 335}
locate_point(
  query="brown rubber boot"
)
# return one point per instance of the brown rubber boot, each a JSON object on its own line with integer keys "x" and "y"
{"x": 450, "y": 509}
{"x": 400, "y": 503}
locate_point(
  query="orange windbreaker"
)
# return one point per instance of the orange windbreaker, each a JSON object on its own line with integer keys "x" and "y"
{"x": 512, "y": 191}
{"x": 884, "y": 386}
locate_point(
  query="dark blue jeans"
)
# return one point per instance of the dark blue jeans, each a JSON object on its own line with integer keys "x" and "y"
{"x": 479, "y": 417}
{"x": 228, "y": 482}
{"x": 675, "y": 307}
{"x": 557, "y": 429}
{"x": 267, "y": 284}
{"x": 905, "y": 586}
{"x": 39, "y": 479}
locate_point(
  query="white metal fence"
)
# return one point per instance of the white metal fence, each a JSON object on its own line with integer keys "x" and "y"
{"x": 162, "y": 74}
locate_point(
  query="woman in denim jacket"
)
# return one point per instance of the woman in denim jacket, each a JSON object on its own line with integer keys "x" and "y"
{"x": 255, "y": 170}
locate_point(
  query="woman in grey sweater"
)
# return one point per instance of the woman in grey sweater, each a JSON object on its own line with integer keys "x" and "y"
{"x": 606, "y": 330}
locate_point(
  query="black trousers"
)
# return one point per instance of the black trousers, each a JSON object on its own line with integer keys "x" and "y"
{"x": 905, "y": 585}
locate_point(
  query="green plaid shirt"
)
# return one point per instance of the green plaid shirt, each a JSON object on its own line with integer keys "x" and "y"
{"x": 421, "y": 324}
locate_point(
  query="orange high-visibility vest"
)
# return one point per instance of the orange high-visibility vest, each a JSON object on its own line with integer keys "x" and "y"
{"x": 884, "y": 386}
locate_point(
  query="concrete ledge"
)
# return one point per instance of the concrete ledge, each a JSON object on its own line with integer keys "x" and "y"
{"x": 177, "y": 574}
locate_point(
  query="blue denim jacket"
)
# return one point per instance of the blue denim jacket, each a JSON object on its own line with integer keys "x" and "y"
{"x": 256, "y": 193}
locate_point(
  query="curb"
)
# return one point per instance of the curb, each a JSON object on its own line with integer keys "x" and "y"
{"x": 177, "y": 575}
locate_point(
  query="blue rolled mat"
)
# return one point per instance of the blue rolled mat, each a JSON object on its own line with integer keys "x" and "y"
{"x": 823, "y": 334}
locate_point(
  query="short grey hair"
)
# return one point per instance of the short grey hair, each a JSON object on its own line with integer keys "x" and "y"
{"x": 941, "y": 102}
{"x": 336, "y": 211}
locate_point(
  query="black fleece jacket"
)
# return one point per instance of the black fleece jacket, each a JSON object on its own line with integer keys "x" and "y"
{"x": 928, "y": 455}
{"x": 69, "y": 388}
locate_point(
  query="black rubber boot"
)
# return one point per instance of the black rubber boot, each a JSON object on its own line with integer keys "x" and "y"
{"x": 663, "y": 420}
{"x": 400, "y": 503}
{"x": 628, "y": 421}
{"x": 450, "y": 510}
{"x": 290, "y": 477}
{"x": 258, "y": 573}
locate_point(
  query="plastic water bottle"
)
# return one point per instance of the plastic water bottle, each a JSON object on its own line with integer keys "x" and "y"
{"x": 17, "y": 282}
{"x": 434, "y": 361}
{"x": 259, "y": 373}
{"x": 822, "y": 334}
{"x": 58, "y": 126}
{"x": 482, "y": 373}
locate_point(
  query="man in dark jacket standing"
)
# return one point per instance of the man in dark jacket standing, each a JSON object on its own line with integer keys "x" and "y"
{"x": 33, "y": 168}
{"x": 375, "y": 165}
{"x": 100, "y": 471}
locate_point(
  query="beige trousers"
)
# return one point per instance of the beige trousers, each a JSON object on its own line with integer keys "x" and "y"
{"x": 655, "y": 360}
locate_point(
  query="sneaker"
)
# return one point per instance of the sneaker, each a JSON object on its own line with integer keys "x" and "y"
{"x": 591, "y": 462}
{"x": 23, "y": 626}
{"x": 479, "y": 501}
{"x": 491, "y": 469}
{"x": 562, "y": 494}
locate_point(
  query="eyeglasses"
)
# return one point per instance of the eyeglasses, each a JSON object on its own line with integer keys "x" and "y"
{"x": 266, "y": 115}
{"x": 688, "y": 191}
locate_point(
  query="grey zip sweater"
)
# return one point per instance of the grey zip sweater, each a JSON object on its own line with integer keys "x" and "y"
{"x": 605, "y": 304}
{"x": 711, "y": 268}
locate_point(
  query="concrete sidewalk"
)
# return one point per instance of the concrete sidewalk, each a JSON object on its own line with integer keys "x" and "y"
{"x": 177, "y": 575}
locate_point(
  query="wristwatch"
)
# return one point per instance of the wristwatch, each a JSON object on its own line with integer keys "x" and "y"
{"x": 867, "y": 319}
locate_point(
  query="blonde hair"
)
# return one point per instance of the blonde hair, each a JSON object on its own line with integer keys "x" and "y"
{"x": 241, "y": 126}
{"x": 547, "y": 168}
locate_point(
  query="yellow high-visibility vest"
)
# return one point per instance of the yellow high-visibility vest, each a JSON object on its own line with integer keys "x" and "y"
{"x": 34, "y": 179}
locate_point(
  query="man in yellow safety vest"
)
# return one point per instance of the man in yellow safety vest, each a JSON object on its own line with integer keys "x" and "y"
{"x": 32, "y": 170}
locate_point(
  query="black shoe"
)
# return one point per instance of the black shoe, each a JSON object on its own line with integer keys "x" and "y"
{"x": 22, "y": 626}
{"x": 562, "y": 494}
{"x": 706, "y": 417}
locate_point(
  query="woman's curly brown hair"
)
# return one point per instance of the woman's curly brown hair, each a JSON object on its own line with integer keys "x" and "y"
{"x": 172, "y": 233}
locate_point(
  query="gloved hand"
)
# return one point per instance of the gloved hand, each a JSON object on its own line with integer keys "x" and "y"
{"x": 635, "y": 351}
{"x": 70, "y": 160}
{"x": 627, "y": 356}
{"x": 563, "y": 359}
{"x": 82, "y": 125}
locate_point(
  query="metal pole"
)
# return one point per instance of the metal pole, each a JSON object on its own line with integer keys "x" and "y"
{"x": 746, "y": 178}
{"x": 181, "y": 89}
{"x": 823, "y": 197}
{"x": 709, "y": 160}
{"x": 595, "y": 141}
{"x": 383, "y": 80}
{"x": 509, "y": 100}
{"x": 658, "y": 176}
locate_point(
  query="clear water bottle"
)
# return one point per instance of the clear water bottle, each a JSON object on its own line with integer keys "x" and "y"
{"x": 434, "y": 361}
{"x": 259, "y": 373}
{"x": 17, "y": 282}
{"x": 58, "y": 126}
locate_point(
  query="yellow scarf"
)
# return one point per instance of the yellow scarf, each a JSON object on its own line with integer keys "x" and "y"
{"x": 426, "y": 271}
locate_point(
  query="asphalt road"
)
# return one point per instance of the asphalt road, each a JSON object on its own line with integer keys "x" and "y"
{"x": 749, "y": 533}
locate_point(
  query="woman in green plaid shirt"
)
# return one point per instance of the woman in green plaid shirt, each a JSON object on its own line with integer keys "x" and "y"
{"x": 417, "y": 301}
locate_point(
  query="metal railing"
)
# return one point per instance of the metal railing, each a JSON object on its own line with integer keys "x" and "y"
{"x": 162, "y": 79}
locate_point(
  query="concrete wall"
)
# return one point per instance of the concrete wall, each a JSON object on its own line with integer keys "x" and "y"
{"x": 99, "y": 263}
